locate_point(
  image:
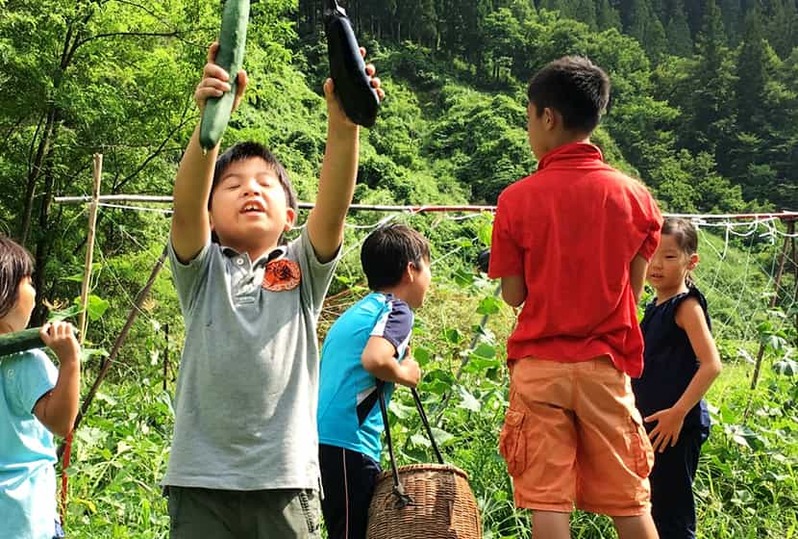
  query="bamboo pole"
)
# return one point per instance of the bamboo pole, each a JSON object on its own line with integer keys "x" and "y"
{"x": 83, "y": 318}
{"x": 94, "y": 205}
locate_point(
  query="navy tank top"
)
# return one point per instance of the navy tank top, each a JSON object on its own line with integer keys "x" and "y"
{"x": 669, "y": 362}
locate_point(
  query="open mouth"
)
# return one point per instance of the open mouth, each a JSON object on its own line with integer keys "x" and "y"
{"x": 253, "y": 206}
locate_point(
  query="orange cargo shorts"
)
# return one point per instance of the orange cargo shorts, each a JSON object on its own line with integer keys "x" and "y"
{"x": 572, "y": 436}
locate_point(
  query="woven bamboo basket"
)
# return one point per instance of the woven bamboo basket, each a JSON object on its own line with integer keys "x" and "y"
{"x": 442, "y": 507}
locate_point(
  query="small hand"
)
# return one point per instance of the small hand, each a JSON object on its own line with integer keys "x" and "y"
{"x": 215, "y": 83}
{"x": 334, "y": 106}
{"x": 60, "y": 338}
{"x": 411, "y": 372}
{"x": 669, "y": 426}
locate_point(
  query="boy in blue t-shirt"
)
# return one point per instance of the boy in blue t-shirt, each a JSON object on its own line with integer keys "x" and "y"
{"x": 369, "y": 342}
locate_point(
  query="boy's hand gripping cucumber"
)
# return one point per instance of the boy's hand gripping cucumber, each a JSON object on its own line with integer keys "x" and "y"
{"x": 347, "y": 68}
{"x": 230, "y": 57}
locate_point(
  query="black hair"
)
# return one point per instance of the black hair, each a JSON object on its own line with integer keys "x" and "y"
{"x": 16, "y": 263}
{"x": 684, "y": 232}
{"x": 388, "y": 250}
{"x": 576, "y": 88}
{"x": 248, "y": 150}
{"x": 686, "y": 237}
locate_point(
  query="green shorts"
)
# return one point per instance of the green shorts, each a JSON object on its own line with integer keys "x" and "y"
{"x": 233, "y": 514}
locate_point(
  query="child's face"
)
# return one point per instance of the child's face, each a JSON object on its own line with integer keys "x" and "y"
{"x": 249, "y": 208}
{"x": 421, "y": 278}
{"x": 18, "y": 317}
{"x": 670, "y": 265}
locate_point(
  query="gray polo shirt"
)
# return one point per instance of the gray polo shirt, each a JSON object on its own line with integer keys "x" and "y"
{"x": 247, "y": 390}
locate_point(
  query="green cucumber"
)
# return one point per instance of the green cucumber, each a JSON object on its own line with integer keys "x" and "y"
{"x": 230, "y": 57}
{"x": 19, "y": 341}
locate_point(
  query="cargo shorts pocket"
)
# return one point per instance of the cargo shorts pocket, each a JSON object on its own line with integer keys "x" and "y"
{"x": 640, "y": 454}
{"x": 512, "y": 443}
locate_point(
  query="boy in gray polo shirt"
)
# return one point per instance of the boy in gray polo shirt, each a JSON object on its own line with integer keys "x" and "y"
{"x": 244, "y": 459}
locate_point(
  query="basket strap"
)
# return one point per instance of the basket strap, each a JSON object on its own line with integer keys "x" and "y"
{"x": 398, "y": 489}
{"x": 427, "y": 427}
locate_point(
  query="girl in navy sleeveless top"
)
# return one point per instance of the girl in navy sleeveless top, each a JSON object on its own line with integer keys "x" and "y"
{"x": 680, "y": 363}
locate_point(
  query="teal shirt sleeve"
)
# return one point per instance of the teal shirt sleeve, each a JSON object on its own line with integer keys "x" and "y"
{"x": 29, "y": 376}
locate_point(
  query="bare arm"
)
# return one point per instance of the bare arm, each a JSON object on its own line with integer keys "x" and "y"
{"x": 689, "y": 317}
{"x": 338, "y": 175}
{"x": 190, "y": 225}
{"x": 514, "y": 290}
{"x": 58, "y": 408}
{"x": 379, "y": 359}
{"x": 637, "y": 275}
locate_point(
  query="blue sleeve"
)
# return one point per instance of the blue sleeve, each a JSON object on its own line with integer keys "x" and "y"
{"x": 395, "y": 325}
{"x": 30, "y": 375}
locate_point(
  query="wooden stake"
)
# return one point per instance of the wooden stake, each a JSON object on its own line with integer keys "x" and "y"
{"x": 84, "y": 291}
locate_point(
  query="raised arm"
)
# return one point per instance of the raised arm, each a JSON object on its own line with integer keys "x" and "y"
{"x": 338, "y": 175}
{"x": 190, "y": 224}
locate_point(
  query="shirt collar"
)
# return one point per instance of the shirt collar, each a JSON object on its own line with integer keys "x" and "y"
{"x": 278, "y": 252}
{"x": 571, "y": 151}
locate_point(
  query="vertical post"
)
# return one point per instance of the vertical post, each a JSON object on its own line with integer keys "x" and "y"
{"x": 165, "y": 355}
{"x": 779, "y": 272}
{"x": 791, "y": 232}
{"x": 83, "y": 320}
{"x": 95, "y": 201}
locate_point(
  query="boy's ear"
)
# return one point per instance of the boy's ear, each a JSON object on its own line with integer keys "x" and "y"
{"x": 551, "y": 118}
{"x": 409, "y": 274}
{"x": 290, "y": 219}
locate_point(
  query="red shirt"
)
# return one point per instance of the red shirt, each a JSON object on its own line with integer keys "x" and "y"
{"x": 572, "y": 229}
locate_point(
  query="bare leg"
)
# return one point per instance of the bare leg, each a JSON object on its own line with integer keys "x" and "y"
{"x": 637, "y": 527}
{"x": 551, "y": 525}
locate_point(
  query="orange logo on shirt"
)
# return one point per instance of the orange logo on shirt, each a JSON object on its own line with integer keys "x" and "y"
{"x": 281, "y": 274}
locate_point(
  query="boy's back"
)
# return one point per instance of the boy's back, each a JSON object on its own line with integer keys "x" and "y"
{"x": 571, "y": 244}
{"x": 574, "y": 227}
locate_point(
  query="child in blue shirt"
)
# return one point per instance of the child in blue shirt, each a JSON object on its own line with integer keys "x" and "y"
{"x": 680, "y": 363}
{"x": 36, "y": 400}
{"x": 368, "y": 343}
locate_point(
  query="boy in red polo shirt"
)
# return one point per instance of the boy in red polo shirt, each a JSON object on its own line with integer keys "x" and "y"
{"x": 571, "y": 244}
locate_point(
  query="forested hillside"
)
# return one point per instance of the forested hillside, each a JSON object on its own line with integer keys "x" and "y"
{"x": 707, "y": 118}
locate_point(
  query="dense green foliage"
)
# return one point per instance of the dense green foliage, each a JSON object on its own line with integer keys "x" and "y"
{"x": 704, "y": 111}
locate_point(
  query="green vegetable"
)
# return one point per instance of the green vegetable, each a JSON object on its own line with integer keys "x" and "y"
{"x": 230, "y": 57}
{"x": 19, "y": 341}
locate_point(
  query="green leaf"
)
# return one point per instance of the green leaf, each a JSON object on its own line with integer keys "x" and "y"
{"x": 452, "y": 335}
{"x": 484, "y": 233}
{"x": 786, "y": 367}
{"x": 468, "y": 401}
{"x": 422, "y": 355}
{"x": 489, "y": 305}
{"x": 441, "y": 436}
{"x": 484, "y": 350}
{"x": 96, "y": 307}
